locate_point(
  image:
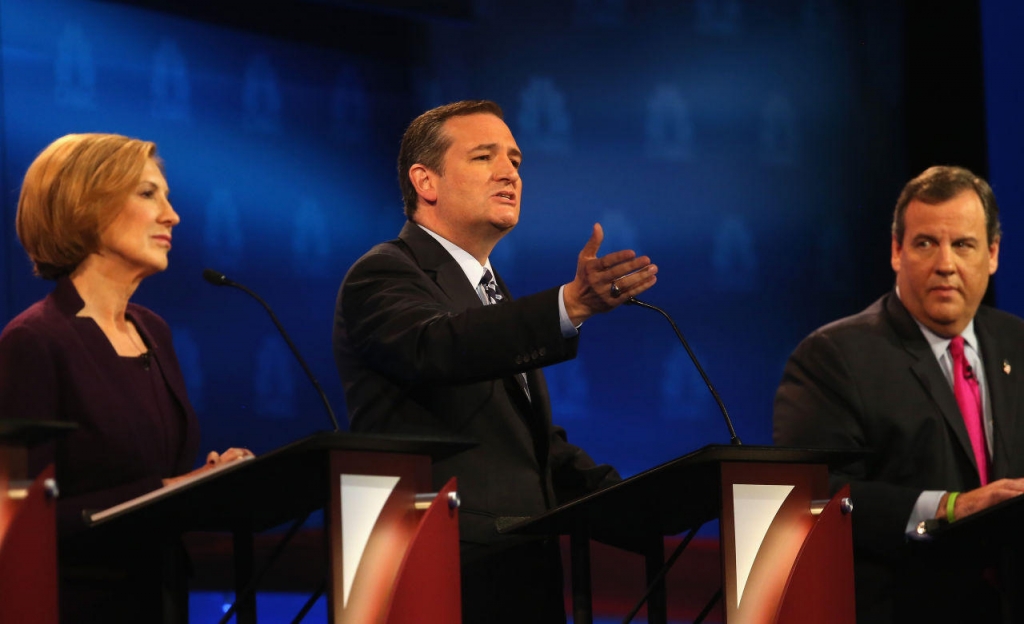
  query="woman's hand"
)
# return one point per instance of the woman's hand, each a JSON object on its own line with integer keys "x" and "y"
{"x": 232, "y": 454}
{"x": 214, "y": 459}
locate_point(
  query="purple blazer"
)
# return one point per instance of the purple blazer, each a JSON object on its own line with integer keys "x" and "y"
{"x": 57, "y": 366}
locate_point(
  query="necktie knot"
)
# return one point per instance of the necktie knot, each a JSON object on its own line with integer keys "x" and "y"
{"x": 956, "y": 348}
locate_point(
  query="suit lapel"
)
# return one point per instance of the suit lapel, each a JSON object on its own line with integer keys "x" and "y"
{"x": 450, "y": 278}
{"x": 1002, "y": 391}
{"x": 928, "y": 372}
{"x": 439, "y": 264}
{"x": 436, "y": 262}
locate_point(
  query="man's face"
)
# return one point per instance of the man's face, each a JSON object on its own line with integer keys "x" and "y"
{"x": 944, "y": 262}
{"x": 480, "y": 191}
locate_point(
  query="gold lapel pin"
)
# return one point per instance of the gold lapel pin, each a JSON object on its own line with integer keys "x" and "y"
{"x": 1006, "y": 367}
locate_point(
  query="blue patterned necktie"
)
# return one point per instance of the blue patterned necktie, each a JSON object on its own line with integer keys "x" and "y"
{"x": 493, "y": 297}
{"x": 490, "y": 288}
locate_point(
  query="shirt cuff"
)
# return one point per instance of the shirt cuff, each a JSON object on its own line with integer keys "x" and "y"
{"x": 568, "y": 329}
{"x": 924, "y": 509}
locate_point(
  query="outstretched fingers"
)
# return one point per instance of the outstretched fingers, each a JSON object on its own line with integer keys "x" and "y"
{"x": 635, "y": 282}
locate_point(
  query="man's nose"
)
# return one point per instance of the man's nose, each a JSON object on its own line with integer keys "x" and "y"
{"x": 944, "y": 261}
{"x": 505, "y": 169}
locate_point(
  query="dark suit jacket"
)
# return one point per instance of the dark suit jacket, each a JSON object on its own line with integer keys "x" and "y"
{"x": 419, "y": 353}
{"x": 57, "y": 366}
{"x": 871, "y": 381}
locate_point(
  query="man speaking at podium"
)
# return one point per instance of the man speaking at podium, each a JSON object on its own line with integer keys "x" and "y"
{"x": 428, "y": 341}
{"x": 930, "y": 383}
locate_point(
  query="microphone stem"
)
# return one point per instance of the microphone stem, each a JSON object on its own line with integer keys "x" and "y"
{"x": 291, "y": 345}
{"x": 733, "y": 438}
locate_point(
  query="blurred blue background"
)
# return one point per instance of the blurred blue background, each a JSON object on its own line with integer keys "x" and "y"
{"x": 753, "y": 149}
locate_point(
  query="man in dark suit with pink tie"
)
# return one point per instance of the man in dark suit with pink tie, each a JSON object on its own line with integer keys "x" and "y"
{"x": 931, "y": 384}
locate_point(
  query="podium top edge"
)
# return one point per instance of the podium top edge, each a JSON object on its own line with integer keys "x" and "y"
{"x": 437, "y": 447}
{"x": 29, "y": 433}
{"x": 780, "y": 454}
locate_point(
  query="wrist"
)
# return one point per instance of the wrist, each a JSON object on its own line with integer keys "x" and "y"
{"x": 947, "y": 506}
{"x": 576, "y": 311}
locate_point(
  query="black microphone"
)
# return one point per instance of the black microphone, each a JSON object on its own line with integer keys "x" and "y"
{"x": 219, "y": 279}
{"x": 734, "y": 439}
{"x": 968, "y": 373}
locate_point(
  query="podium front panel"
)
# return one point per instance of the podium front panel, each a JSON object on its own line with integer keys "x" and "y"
{"x": 766, "y": 516}
{"x": 371, "y": 520}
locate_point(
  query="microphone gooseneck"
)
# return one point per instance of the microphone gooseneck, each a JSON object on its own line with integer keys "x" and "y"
{"x": 733, "y": 438}
{"x": 219, "y": 279}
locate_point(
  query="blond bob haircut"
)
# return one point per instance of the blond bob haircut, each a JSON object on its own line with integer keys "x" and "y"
{"x": 72, "y": 192}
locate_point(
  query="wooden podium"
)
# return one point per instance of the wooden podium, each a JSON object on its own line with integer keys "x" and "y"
{"x": 392, "y": 542}
{"x": 28, "y": 527}
{"x": 786, "y": 548}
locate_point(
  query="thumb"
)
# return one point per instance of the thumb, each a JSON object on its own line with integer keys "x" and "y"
{"x": 594, "y": 244}
{"x": 212, "y": 457}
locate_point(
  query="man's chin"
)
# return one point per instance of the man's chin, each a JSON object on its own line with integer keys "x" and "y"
{"x": 505, "y": 225}
{"x": 945, "y": 322}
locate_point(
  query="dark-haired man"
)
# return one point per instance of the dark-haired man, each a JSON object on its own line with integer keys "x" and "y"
{"x": 428, "y": 340}
{"x": 931, "y": 383}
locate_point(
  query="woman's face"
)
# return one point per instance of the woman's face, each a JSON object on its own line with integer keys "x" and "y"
{"x": 140, "y": 235}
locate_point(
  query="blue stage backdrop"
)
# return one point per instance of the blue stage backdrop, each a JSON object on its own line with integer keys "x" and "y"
{"x": 1002, "y": 21}
{"x": 753, "y": 150}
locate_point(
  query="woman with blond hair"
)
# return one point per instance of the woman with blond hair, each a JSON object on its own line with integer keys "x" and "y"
{"x": 94, "y": 217}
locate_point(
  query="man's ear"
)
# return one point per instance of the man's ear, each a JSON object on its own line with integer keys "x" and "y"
{"x": 993, "y": 256}
{"x": 424, "y": 181}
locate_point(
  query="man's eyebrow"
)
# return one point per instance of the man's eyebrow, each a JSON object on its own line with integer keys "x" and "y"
{"x": 490, "y": 147}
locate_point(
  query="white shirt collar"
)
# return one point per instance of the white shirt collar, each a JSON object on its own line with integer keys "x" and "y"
{"x": 470, "y": 265}
{"x": 939, "y": 344}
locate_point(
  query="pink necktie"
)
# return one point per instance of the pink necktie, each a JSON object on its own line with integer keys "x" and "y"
{"x": 968, "y": 396}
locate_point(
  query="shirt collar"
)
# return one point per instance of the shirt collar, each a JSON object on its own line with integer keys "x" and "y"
{"x": 470, "y": 265}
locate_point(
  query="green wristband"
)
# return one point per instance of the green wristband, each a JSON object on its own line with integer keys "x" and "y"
{"x": 950, "y": 503}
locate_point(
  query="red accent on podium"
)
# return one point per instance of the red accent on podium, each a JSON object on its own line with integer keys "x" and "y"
{"x": 428, "y": 588}
{"x": 409, "y": 571}
{"x": 28, "y": 552}
{"x": 824, "y": 567}
{"x": 799, "y": 568}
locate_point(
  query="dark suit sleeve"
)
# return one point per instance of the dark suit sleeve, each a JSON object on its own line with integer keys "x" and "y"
{"x": 820, "y": 404}
{"x": 573, "y": 472}
{"x": 404, "y": 326}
